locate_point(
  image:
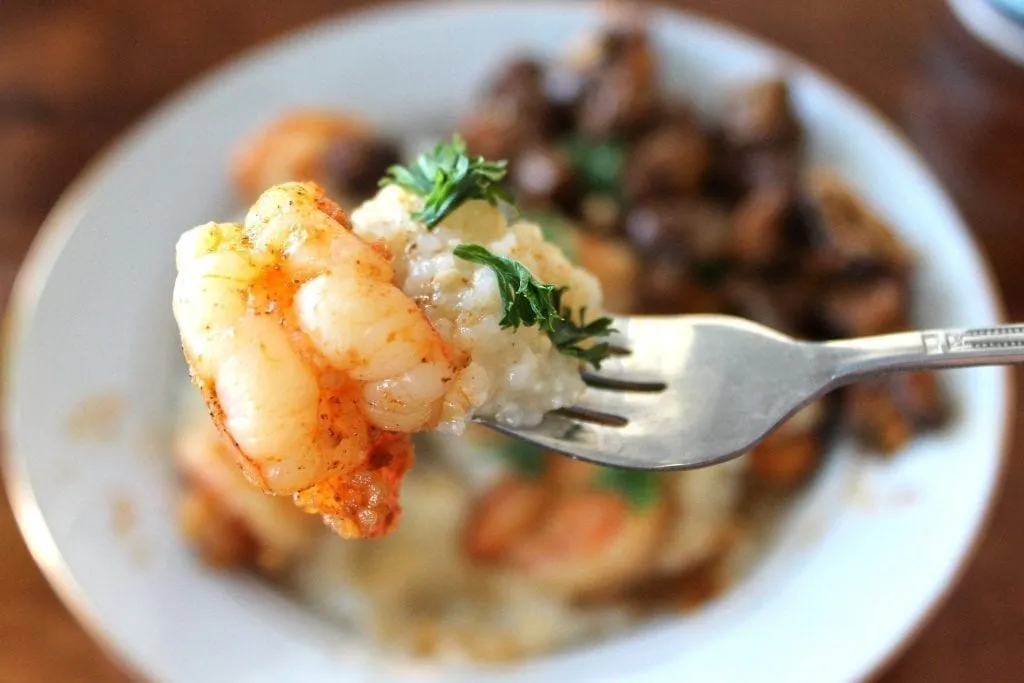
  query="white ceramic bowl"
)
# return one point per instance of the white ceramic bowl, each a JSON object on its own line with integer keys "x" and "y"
{"x": 93, "y": 360}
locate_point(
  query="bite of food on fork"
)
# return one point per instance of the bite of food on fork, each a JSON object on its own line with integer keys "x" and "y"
{"x": 321, "y": 340}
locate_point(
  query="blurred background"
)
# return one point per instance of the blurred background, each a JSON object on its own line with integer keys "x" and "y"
{"x": 74, "y": 75}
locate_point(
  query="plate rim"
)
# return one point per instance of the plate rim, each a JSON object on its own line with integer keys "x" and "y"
{"x": 61, "y": 223}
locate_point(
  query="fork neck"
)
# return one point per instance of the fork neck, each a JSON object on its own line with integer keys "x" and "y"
{"x": 929, "y": 349}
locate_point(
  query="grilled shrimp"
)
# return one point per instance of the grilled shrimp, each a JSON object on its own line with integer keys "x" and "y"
{"x": 568, "y": 536}
{"x": 292, "y": 147}
{"x": 365, "y": 503}
{"x": 307, "y": 354}
{"x": 230, "y": 522}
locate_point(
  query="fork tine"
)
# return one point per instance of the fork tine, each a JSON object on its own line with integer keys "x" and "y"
{"x": 589, "y": 415}
{"x": 590, "y": 441}
{"x": 630, "y": 406}
{"x": 597, "y": 381}
{"x": 597, "y": 443}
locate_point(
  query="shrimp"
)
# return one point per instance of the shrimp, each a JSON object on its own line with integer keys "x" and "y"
{"x": 365, "y": 504}
{"x": 568, "y": 536}
{"x": 228, "y": 521}
{"x": 305, "y": 352}
{"x": 292, "y": 147}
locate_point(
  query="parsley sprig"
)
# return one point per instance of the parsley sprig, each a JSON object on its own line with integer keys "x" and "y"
{"x": 528, "y": 302}
{"x": 640, "y": 488}
{"x": 447, "y": 177}
{"x": 523, "y": 458}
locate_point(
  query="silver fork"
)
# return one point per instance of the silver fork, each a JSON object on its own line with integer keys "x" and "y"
{"x": 698, "y": 390}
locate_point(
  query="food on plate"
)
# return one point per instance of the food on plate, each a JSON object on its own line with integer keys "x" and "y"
{"x": 225, "y": 518}
{"x": 640, "y": 202}
{"x": 337, "y": 151}
{"x": 320, "y": 344}
{"x": 677, "y": 212}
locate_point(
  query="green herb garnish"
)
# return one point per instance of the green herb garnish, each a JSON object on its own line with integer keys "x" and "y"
{"x": 640, "y": 488}
{"x": 525, "y": 459}
{"x": 528, "y": 302}
{"x": 447, "y": 177}
{"x": 598, "y": 164}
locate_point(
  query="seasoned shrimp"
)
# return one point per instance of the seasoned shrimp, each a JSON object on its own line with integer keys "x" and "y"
{"x": 294, "y": 147}
{"x": 366, "y": 503}
{"x": 566, "y": 535}
{"x": 306, "y": 354}
{"x": 230, "y": 522}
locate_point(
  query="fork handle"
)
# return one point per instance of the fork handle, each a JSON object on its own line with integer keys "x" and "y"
{"x": 926, "y": 350}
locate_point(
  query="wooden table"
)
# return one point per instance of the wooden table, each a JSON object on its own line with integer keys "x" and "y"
{"x": 74, "y": 75}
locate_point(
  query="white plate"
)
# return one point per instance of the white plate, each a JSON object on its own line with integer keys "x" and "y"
{"x": 93, "y": 357}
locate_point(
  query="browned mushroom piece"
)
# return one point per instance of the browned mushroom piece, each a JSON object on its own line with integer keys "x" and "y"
{"x": 722, "y": 178}
{"x": 885, "y": 413}
{"x": 522, "y": 84}
{"x": 784, "y": 461}
{"x": 679, "y": 244}
{"x": 354, "y": 165}
{"x": 620, "y": 92}
{"x": 492, "y": 131}
{"x": 780, "y": 306}
{"x": 732, "y": 171}
{"x": 676, "y": 113}
{"x": 671, "y": 160}
{"x": 512, "y": 112}
{"x": 770, "y": 167}
{"x": 874, "y": 418}
{"x": 758, "y": 143}
{"x": 563, "y": 86}
{"x": 735, "y": 171}
{"x": 543, "y": 175}
{"x": 846, "y": 235}
{"x": 761, "y": 116}
{"x": 921, "y": 398}
{"x": 681, "y": 247}
{"x": 864, "y": 307}
{"x": 666, "y": 285}
{"x": 658, "y": 228}
{"x": 759, "y": 227}
{"x": 690, "y": 228}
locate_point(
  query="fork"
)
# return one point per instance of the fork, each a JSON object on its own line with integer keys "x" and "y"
{"x": 689, "y": 391}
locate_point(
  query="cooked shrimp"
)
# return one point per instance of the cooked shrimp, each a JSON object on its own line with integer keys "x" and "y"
{"x": 305, "y": 351}
{"x": 294, "y": 147}
{"x": 364, "y": 504}
{"x": 590, "y": 542}
{"x": 501, "y": 518}
{"x": 573, "y": 540}
{"x": 230, "y": 522}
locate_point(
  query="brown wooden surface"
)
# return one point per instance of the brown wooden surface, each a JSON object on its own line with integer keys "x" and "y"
{"x": 74, "y": 75}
